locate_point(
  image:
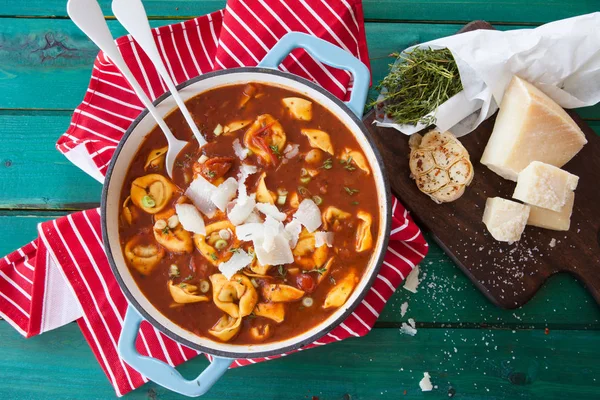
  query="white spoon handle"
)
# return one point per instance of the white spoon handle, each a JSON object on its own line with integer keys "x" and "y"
{"x": 132, "y": 15}
{"x": 88, "y": 17}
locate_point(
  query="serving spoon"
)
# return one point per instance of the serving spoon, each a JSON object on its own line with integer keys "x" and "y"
{"x": 132, "y": 15}
{"x": 88, "y": 17}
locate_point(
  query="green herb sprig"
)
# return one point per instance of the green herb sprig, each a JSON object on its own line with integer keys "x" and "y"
{"x": 418, "y": 84}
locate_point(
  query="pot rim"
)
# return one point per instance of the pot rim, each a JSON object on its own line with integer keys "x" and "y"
{"x": 378, "y": 260}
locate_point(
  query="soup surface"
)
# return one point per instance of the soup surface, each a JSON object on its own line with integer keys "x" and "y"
{"x": 264, "y": 231}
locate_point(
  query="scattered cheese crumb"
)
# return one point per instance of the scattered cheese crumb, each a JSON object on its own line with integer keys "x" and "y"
{"x": 403, "y": 308}
{"x": 553, "y": 242}
{"x": 409, "y": 329}
{"x": 425, "y": 383}
{"x": 412, "y": 280}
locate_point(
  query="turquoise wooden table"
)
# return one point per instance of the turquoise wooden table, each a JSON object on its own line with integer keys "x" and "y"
{"x": 548, "y": 349}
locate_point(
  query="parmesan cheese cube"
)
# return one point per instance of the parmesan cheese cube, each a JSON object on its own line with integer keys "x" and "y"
{"x": 554, "y": 220}
{"x": 545, "y": 186}
{"x": 505, "y": 219}
{"x": 530, "y": 127}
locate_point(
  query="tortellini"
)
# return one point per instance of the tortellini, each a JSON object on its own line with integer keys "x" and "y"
{"x": 273, "y": 311}
{"x": 237, "y": 297}
{"x": 151, "y": 192}
{"x": 332, "y": 217}
{"x": 280, "y": 293}
{"x": 350, "y": 157}
{"x": 261, "y": 332}
{"x": 177, "y": 240}
{"x": 318, "y": 139}
{"x": 264, "y": 195}
{"x": 306, "y": 254}
{"x": 209, "y": 244}
{"x": 156, "y": 159}
{"x": 265, "y": 138}
{"x": 143, "y": 256}
{"x": 298, "y": 107}
{"x": 226, "y": 327}
{"x": 184, "y": 293}
{"x": 338, "y": 295}
{"x": 364, "y": 238}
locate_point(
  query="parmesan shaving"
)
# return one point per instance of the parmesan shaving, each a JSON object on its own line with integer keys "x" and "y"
{"x": 323, "y": 238}
{"x": 292, "y": 230}
{"x": 240, "y": 151}
{"x": 200, "y": 192}
{"x": 224, "y": 193}
{"x": 247, "y": 232}
{"x": 241, "y": 210}
{"x": 272, "y": 228}
{"x": 238, "y": 261}
{"x": 278, "y": 255}
{"x": 271, "y": 211}
{"x": 425, "y": 383}
{"x": 253, "y": 217}
{"x": 245, "y": 171}
{"x": 190, "y": 218}
{"x": 309, "y": 215}
{"x": 412, "y": 280}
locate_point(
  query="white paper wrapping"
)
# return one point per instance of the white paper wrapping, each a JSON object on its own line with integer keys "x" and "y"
{"x": 561, "y": 58}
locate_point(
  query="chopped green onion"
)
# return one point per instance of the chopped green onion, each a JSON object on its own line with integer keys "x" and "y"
{"x": 351, "y": 191}
{"x": 282, "y": 271}
{"x": 303, "y": 172}
{"x": 218, "y": 130}
{"x": 305, "y": 179}
{"x": 303, "y": 191}
{"x": 254, "y": 282}
{"x": 328, "y": 164}
{"x": 221, "y": 244}
{"x": 318, "y": 200}
{"x": 214, "y": 256}
{"x": 307, "y": 301}
{"x": 282, "y": 192}
{"x": 281, "y": 200}
{"x": 173, "y": 271}
{"x": 148, "y": 201}
{"x": 204, "y": 286}
{"x": 354, "y": 203}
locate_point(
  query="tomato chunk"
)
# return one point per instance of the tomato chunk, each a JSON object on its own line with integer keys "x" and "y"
{"x": 306, "y": 282}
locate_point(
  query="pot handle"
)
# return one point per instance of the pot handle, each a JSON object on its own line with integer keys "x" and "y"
{"x": 160, "y": 372}
{"x": 329, "y": 54}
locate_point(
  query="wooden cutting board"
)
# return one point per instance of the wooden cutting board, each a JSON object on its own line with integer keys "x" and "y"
{"x": 509, "y": 275}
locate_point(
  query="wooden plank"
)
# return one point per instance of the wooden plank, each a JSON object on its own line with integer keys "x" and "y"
{"x": 445, "y": 297}
{"x": 468, "y": 363}
{"x": 507, "y": 11}
{"x": 65, "y": 72}
{"x": 33, "y": 174}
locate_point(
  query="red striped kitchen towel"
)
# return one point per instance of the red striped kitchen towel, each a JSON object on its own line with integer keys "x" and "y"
{"x": 64, "y": 274}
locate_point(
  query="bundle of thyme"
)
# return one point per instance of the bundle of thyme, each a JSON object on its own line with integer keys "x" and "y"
{"x": 417, "y": 84}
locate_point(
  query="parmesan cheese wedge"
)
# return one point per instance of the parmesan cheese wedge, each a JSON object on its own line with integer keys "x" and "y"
{"x": 505, "y": 219}
{"x": 530, "y": 127}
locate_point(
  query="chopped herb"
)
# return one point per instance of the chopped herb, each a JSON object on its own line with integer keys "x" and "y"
{"x": 188, "y": 278}
{"x": 301, "y": 308}
{"x": 281, "y": 271}
{"x": 251, "y": 315}
{"x": 354, "y": 203}
{"x": 214, "y": 256}
{"x": 165, "y": 230}
{"x": 348, "y": 164}
{"x": 182, "y": 285}
{"x": 187, "y": 156}
{"x": 275, "y": 149}
{"x": 210, "y": 174}
{"x": 320, "y": 271}
{"x": 351, "y": 191}
{"x": 328, "y": 164}
{"x": 234, "y": 250}
{"x": 179, "y": 164}
{"x": 332, "y": 280}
